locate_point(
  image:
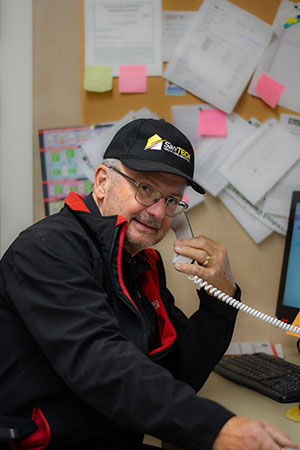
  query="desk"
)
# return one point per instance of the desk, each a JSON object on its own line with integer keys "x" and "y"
{"x": 248, "y": 403}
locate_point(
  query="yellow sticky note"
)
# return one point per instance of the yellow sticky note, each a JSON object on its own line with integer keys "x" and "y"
{"x": 296, "y": 323}
{"x": 98, "y": 78}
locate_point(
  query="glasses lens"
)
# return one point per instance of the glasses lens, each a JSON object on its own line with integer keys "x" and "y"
{"x": 146, "y": 195}
{"x": 173, "y": 209}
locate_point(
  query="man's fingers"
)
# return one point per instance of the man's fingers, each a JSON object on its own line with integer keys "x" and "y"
{"x": 279, "y": 436}
{"x": 240, "y": 433}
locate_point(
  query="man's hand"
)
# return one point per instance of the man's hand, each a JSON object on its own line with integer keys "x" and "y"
{"x": 213, "y": 264}
{"x": 240, "y": 433}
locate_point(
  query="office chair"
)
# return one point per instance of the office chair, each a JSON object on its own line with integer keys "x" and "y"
{"x": 14, "y": 428}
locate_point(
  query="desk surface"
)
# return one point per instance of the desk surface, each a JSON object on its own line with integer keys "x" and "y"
{"x": 248, "y": 403}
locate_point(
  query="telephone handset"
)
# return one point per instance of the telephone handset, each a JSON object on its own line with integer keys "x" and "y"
{"x": 182, "y": 229}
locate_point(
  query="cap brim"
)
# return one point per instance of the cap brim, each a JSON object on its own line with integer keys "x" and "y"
{"x": 153, "y": 166}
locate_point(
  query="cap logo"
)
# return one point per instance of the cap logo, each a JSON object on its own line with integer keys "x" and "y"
{"x": 155, "y": 142}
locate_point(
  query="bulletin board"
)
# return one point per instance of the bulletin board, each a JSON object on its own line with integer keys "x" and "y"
{"x": 256, "y": 267}
{"x": 111, "y": 105}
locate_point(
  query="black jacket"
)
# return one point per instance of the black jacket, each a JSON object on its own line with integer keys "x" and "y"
{"x": 76, "y": 346}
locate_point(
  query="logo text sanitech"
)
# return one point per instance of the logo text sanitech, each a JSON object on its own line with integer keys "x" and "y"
{"x": 155, "y": 142}
{"x": 178, "y": 151}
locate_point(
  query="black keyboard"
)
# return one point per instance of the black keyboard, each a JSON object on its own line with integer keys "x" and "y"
{"x": 271, "y": 376}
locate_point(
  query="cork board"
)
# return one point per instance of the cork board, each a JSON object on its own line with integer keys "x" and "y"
{"x": 60, "y": 100}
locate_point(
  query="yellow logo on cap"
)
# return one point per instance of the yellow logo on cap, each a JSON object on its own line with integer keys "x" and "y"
{"x": 154, "y": 142}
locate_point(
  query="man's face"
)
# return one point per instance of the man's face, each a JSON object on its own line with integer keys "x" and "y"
{"x": 147, "y": 225}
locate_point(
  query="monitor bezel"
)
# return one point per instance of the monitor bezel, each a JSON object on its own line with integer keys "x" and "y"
{"x": 284, "y": 312}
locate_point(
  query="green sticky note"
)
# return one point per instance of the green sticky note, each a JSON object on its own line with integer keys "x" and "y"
{"x": 98, "y": 78}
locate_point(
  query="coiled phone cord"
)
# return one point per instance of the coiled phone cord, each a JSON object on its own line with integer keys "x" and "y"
{"x": 242, "y": 306}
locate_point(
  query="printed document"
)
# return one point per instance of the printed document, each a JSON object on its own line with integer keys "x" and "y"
{"x": 175, "y": 24}
{"x": 239, "y": 348}
{"x": 217, "y": 56}
{"x": 256, "y": 229}
{"x": 287, "y": 9}
{"x": 185, "y": 118}
{"x": 281, "y": 61}
{"x": 214, "y": 151}
{"x": 262, "y": 160}
{"x": 276, "y": 223}
{"x": 278, "y": 199}
{"x": 123, "y": 32}
{"x": 211, "y": 152}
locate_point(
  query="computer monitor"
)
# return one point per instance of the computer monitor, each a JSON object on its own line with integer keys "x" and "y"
{"x": 288, "y": 302}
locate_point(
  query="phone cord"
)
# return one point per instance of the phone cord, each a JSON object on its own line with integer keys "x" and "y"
{"x": 242, "y": 306}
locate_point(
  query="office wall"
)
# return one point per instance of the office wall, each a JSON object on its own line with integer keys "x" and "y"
{"x": 56, "y": 74}
{"x": 16, "y": 172}
{"x": 59, "y": 100}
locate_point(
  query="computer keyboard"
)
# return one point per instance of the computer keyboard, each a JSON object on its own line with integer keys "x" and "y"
{"x": 269, "y": 375}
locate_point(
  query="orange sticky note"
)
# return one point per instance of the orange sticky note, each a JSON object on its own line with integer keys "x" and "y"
{"x": 296, "y": 323}
{"x": 132, "y": 78}
{"x": 268, "y": 89}
{"x": 212, "y": 122}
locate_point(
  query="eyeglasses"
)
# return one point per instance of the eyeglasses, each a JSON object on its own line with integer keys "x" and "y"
{"x": 146, "y": 195}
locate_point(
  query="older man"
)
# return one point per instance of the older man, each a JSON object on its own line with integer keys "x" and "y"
{"x": 96, "y": 350}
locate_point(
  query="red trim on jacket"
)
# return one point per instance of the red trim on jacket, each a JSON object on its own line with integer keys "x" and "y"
{"x": 74, "y": 201}
{"x": 150, "y": 286}
{"x": 151, "y": 256}
{"x": 149, "y": 280}
{"x": 119, "y": 258}
{"x": 120, "y": 220}
{"x": 37, "y": 440}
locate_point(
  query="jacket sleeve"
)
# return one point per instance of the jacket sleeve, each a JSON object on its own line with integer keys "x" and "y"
{"x": 66, "y": 311}
{"x": 202, "y": 339}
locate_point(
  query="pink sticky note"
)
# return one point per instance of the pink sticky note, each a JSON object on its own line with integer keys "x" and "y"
{"x": 133, "y": 78}
{"x": 212, "y": 122}
{"x": 269, "y": 90}
{"x": 185, "y": 198}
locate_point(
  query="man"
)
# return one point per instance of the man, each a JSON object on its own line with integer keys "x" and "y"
{"x": 96, "y": 350}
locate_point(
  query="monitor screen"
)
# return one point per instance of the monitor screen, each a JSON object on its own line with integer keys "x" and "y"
{"x": 288, "y": 303}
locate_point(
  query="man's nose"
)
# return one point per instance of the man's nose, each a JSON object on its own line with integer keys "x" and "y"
{"x": 157, "y": 209}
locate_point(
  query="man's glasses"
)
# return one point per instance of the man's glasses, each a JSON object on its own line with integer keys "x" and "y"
{"x": 146, "y": 195}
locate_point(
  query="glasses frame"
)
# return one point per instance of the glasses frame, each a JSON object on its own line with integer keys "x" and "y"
{"x": 180, "y": 205}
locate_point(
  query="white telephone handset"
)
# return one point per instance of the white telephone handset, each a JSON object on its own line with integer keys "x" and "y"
{"x": 182, "y": 228}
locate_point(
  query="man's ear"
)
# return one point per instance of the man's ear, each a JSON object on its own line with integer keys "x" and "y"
{"x": 100, "y": 181}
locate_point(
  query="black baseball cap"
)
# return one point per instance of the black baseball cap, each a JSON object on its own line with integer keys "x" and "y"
{"x": 152, "y": 145}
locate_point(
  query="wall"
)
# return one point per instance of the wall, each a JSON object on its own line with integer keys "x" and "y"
{"x": 59, "y": 100}
{"x": 56, "y": 69}
{"x": 16, "y": 172}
